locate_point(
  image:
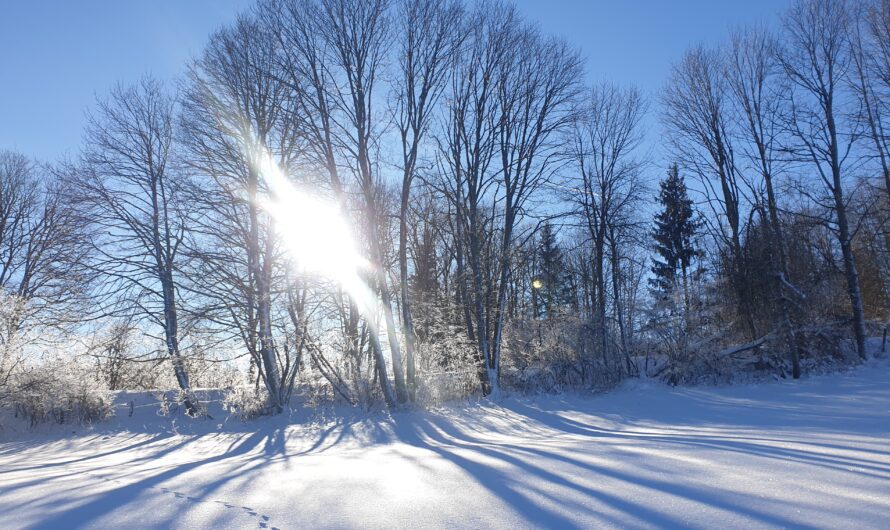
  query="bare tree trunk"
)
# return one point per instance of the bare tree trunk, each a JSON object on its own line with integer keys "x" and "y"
{"x": 494, "y": 365}
{"x": 846, "y": 240}
{"x": 752, "y": 78}
{"x": 430, "y": 36}
{"x": 478, "y": 302}
{"x": 126, "y": 190}
{"x": 407, "y": 320}
{"x": 816, "y": 61}
{"x": 616, "y": 299}
{"x": 171, "y": 339}
{"x": 263, "y": 297}
{"x": 600, "y": 279}
{"x": 380, "y": 365}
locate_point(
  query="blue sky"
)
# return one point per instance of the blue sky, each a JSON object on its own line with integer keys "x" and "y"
{"x": 56, "y": 55}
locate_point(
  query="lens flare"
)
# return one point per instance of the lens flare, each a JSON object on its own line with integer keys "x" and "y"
{"x": 317, "y": 236}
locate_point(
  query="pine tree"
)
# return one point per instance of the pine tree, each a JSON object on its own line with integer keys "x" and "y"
{"x": 675, "y": 229}
{"x": 550, "y": 284}
{"x": 424, "y": 282}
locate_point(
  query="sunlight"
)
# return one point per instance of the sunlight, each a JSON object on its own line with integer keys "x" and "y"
{"x": 318, "y": 238}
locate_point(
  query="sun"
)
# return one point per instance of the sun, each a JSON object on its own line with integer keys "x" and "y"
{"x": 317, "y": 236}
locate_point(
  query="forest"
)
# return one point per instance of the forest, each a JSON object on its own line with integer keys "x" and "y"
{"x": 399, "y": 203}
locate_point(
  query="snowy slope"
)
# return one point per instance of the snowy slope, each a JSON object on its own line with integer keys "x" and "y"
{"x": 811, "y": 453}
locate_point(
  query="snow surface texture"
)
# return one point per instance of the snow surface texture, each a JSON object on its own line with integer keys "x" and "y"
{"x": 810, "y": 453}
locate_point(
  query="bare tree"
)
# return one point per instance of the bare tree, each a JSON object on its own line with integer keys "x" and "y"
{"x": 877, "y": 13}
{"x": 816, "y": 59}
{"x": 306, "y": 68}
{"x": 429, "y": 39}
{"x": 356, "y": 35}
{"x": 753, "y": 75}
{"x": 41, "y": 242}
{"x": 870, "y": 57}
{"x": 696, "y": 114}
{"x": 43, "y": 285}
{"x": 126, "y": 189}
{"x": 467, "y": 145}
{"x": 605, "y": 140}
{"x": 537, "y": 86}
{"x": 512, "y": 96}
{"x": 237, "y": 125}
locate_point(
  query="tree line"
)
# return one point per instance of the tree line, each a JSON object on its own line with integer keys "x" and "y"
{"x": 505, "y": 214}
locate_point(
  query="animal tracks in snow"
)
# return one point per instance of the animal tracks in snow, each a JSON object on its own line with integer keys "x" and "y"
{"x": 263, "y": 522}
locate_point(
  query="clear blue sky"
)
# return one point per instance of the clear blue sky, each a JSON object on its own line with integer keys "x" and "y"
{"x": 56, "y": 55}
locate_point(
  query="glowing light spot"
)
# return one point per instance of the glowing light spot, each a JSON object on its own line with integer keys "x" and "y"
{"x": 317, "y": 237}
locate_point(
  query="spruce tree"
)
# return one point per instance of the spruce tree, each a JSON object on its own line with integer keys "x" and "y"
{"x": 424, "y": 283}
{"x": 675, "y": 228}
{"x": 552, "y": 277}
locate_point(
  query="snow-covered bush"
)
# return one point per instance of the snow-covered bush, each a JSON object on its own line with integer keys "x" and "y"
{"x": 434, "y": 388}
{"x": 123, "y": 357}
{"x": 37, "y": 389}
{"x": 558, "y": 354}
{"x": 247, "y": 402}
{"x": 446, "y": 365}
{"x": 175, "y": 402}
{"x": 11, "y": 353}
{"x": 60, "y": 394}
{"x": 688, "y": 350}
{"x": 207, "y": 373}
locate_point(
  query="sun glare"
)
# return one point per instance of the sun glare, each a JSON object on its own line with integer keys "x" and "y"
{"x": 317, "y": 237}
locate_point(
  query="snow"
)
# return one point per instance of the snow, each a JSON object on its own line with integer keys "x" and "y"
{"x": 808, "y": 453}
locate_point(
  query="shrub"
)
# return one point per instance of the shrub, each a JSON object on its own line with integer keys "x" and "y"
{"x": 556, "y": 355}
{"x": 168, "y": 406}
{"x": 61, "y": 396}
{"x": 247, "y": 402}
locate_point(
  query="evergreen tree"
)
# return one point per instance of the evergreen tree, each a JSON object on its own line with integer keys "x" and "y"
{"x": 551, "y": 284}
{"x": 424, "y": 282}
{"x": 675, "y": 229}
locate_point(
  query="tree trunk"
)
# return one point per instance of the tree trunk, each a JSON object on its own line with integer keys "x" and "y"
{"x": 481, "y": 325}
{"x": 407, "y": 320}
{"x": 616, "y": 296}
{"x": 168, "y": 294}
{"x": 781, "y": 271}
{"x": 846, "y": 240}
{"x": 494, "y": 365}
{"x": 269, "y": 369}
{"x": 600, "y": 279}
{"x": 380, "y": 364}
{"x": 171, "y": 330}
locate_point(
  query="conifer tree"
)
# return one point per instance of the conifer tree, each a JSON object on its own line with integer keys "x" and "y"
{"x": 675, "y": 229}
{"x": 551, "y": 283}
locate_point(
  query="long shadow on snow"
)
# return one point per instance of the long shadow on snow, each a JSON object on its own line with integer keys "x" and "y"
{"x": 747, "y": 446}
{"x": 443, "y": 439}
{"x": 439, "y": 436}
{"x": 103, "y": 503}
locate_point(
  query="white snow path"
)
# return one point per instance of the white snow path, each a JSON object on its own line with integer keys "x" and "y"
{"x": 811, "y": 453}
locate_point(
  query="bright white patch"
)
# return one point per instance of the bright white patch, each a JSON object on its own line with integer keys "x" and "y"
{"x": 318, "y": 238}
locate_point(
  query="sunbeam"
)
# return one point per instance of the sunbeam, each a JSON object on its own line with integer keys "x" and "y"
{"x": 316, "y": 235}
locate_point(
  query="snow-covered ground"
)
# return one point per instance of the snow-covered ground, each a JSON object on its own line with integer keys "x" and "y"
{"x": 812, "y": 453}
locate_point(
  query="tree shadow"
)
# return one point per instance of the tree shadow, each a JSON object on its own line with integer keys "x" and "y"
{"x": 546, "y": 465}
{"x": 259, "y": 446}
{"x": 469, "y": 453}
